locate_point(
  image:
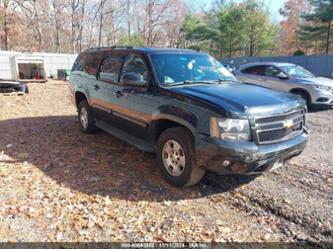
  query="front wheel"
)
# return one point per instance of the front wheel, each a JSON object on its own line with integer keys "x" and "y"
{"x": 304, "y": 96}
{"x": 86, "y": 118}
{"x": 176, "y": 157}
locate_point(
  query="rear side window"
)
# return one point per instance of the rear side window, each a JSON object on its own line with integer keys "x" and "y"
{"x": 256, "y": 70}
{"x": 110, "y": 67}
{"x": 79, "y": 63}
{"x": 91, "y": 63}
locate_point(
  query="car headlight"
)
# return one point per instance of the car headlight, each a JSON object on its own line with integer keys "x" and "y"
{"x": 325, "y": 88}
{"x": 230, "y": 129}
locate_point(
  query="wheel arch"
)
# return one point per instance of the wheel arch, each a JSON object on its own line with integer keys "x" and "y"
{"x": 79, "y": 96}
{"x": 297, "y": 89}
{"x": 164, "y": 122}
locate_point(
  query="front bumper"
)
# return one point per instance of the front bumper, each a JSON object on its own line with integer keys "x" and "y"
{"x": 246, "y": 157}
{"x": 321, "y": 98}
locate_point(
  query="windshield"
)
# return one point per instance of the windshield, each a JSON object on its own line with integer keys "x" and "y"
{"x": 188, "y": 68}
{"x": 297, "y": 71}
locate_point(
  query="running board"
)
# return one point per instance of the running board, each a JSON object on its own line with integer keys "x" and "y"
{"x": 137, "y": 142}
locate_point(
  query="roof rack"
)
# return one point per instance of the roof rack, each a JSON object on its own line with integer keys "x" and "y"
{"x": 112, "y": 47}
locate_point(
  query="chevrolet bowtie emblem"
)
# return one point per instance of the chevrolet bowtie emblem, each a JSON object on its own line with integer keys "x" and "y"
{"x": 288, "y": 124}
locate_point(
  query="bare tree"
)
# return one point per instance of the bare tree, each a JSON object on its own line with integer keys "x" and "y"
{"x": 74, "y": 25}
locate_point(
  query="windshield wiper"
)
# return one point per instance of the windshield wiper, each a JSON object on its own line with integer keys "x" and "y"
{"x": 188, "y": 82}
{"x": 198, "y": 81}
{"x": 223, "y": 80}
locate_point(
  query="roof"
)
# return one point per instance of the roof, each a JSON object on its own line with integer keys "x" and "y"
{"x": 150, "y": 50}
{"x": 278, "y": 64}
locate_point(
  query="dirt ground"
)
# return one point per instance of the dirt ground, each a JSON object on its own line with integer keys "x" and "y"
{"x": 57, "y": 184}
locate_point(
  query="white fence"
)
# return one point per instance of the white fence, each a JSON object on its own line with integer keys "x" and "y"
{"x": 53, "y": 62}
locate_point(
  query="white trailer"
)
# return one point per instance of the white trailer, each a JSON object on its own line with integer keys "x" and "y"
{"x": 27, "y": 68}
{"x": 33, "y": 66}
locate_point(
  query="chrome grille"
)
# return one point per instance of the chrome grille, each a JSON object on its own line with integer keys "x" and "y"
{"x": 279, "y": 128}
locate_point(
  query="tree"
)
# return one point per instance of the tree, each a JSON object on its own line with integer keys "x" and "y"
{"x": 292, "y": 11}
{"x": 232, "y": 29}
{"x": 320, "y": 23}
{"x": 198, "y": 33}
{"x": 258, "y": 30}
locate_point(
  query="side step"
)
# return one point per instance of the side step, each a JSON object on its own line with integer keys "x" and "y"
{"x": 137, "y": 142}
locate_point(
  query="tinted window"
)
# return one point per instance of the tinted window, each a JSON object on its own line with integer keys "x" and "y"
{"x": 256, "y": 70}
{"x": 79, "y": 63}
{"x": 110, "y": 67}
{"x": 272, "y": 71}
{"x": 135, "y": 64}
{"x": 91, "y": 63}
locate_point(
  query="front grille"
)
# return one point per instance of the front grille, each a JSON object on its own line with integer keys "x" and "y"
{"x": 279, "y": 128}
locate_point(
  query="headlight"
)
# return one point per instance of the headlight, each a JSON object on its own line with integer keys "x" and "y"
{"x": 230, "y": 129}
{"x": 325, "y": 88}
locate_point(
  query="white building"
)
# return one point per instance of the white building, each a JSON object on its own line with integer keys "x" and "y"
{"x": 33, "y": 66}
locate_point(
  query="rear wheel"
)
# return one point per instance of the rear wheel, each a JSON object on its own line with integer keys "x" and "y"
{"x": 176, "y": 157}
{"x": 86, "y": 118}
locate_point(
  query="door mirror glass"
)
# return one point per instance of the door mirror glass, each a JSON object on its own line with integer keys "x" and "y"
{"x": 134, "y": 72}
{"x": 133, "y": 79}
{"x": 275, "y": 72}
{"x": 282, "y": 76}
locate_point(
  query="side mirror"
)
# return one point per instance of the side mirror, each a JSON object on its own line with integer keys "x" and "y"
{"x": 133, "y": 79}
{"x": 282, "y": 76}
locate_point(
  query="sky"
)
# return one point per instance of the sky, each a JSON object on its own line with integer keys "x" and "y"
{"x": 272, "y": 5}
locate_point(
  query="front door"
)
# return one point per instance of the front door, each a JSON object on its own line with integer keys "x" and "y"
{"x": 132, "y": 105}
{"x": 275, "y": 78}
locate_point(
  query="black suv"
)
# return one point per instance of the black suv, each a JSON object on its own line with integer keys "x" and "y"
{"x": 187, "y": 108}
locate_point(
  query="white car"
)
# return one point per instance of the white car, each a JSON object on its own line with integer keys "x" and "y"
{"x": 316, "y": 91}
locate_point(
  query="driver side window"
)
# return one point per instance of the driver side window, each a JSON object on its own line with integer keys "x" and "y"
{"x": 274, "y": 72}
{"x": 135, "y": 64}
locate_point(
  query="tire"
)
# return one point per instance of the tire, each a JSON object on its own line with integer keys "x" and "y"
{"x": 178, "y": 165}
{"x": 86, "y": 118}
{"x": 304, "y": 96}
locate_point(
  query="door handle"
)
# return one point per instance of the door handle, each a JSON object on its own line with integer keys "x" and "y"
{"x": 96, "y": 87}
{"x": 118, "y": 94}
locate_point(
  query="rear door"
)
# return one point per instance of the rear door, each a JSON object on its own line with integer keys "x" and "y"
{"x": 108, "y": 76}
{"x": 253, "y": 74}
{"x": 94, "y": 88}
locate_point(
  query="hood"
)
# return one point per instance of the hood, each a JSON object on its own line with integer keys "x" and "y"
{"x": 317, "y": 81}
{"x": 239, "y": 99}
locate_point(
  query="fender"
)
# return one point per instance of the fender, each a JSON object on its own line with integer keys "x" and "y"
{"x": 80, "y": 92}
{"x": 300, "y": 90}
{"x": 178, "y": 115}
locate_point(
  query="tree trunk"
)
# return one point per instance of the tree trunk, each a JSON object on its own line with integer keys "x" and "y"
{"x": 5, "y": 24}
{"x": 328, "y": 36}
{"x": 129, "y": 25}
{"x": 57, "y": 26}
{"x": 101, "y": 17}
{"x": 38, "y": 26}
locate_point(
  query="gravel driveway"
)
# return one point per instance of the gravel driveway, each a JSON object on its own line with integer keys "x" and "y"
{"x": 57, "y": 184}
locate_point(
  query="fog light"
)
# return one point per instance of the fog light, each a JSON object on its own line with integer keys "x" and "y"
{"x": 226, "y": 163}
{"x": 322, "y": 99}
